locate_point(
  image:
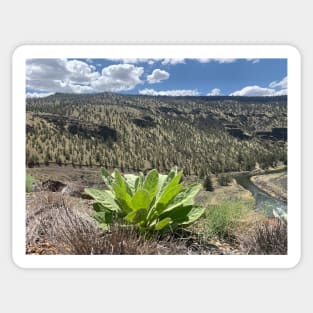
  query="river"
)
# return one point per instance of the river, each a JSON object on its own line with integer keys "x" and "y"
{"x": 264, "y": 202}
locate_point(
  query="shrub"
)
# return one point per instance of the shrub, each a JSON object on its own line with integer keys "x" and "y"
{"x": 269, "y": 237}
{"x": 29, "y": 183}
{"x": 224, "y": 180}
{"x": 222, "y": 220}
{"x": 207, "y": 184}
{"x": 153, "y": 203}
{"x": 55, "y": 228}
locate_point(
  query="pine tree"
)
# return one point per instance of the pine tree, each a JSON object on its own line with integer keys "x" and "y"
{"x": 207, "y": 185}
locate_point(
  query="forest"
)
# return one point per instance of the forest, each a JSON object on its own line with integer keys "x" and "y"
{"x": 200, "y": 135}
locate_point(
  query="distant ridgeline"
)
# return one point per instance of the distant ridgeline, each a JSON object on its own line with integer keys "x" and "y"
{"x": 199, "y": 134}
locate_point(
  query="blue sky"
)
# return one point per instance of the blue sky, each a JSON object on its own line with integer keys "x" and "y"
{"x": 176, "y": 77}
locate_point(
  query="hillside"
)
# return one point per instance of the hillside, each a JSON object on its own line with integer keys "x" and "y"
{"x": 199, "y": 134}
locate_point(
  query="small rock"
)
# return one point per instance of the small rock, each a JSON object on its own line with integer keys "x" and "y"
{"x": 53, "y": 185}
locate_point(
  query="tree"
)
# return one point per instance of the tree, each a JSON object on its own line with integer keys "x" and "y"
{"x": 207, "y": 184}
{"x": 224, "y": 180}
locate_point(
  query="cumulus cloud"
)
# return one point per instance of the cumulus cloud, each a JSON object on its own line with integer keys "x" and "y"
{"x": 157, "y": 76}
{"x": 118, "y": 78}
{"x": 62, "y": 75}
{"x": 172, "y": 61}
{"x": 173, "y": 93}
{"x": 214, "y": 92}
{"x": 80, "y": 72}
{"x": 255, "y": 91}
{"x": 282, "y": 92}
{"x": 38, "y": 94}
{"x": 282, "y": 84}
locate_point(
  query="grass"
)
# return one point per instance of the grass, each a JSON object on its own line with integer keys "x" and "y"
{"x": 269, "y": 237}
{"x": 221, "y": 221}
{"x": 29, "y": 183}
{"x": 52, "y": 227}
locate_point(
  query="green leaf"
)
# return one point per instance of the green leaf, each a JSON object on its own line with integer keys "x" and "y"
{"x": 167, "y": 196}
{"x": 141, "y": 200}
{"x": 98, "y": 207}
{"x": 105, "y": 197}
{"x": 151, "y": 183}
{"x": 104, "y": 217}
{"x": 163, "y": 223}
{"x": 136, "y": 217}
{"x": 123, "y": 199}
{"x": 139, "y": 182}
{"x": 173, "y": 182}
{"x": 107, "y": 178}
{"x": 184, "y": 215}
{"x": 161, "y": 183}
{"x": 95, "y": 193}
{"x": 194, "y": 214}
{"x": 184, "y": 198}
{"x": 131, "y": 181}
{"x": 119, "y": 180}
{"x": 122, "y": 192}
{"x": 165, "y": 180}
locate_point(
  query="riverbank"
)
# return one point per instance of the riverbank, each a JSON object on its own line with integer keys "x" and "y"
{"x": 273, "y": 184}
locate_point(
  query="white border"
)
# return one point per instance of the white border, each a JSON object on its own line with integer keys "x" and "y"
{"x": 156, "y": 51}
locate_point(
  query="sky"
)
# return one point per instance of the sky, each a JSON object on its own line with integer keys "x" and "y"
{"x": 168, "y": 77}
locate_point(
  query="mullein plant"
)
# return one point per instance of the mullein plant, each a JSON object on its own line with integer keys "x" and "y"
{"x": 154, "y": 202}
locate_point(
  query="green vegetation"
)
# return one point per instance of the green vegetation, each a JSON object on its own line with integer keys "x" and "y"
{"x": 200, "y": 135}
{"x": 222, "y": 220}
{"x": 224, "y": 180}
{"x": 208, "y": 138}
{"x": 207, "y": 184}
{"x": 29, "y": 183}
{"x": 154, "y": 203}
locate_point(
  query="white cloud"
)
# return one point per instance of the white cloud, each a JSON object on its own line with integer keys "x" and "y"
{"x": 118, "y": 78}
{"x": 62, "y": 75}
{"x": 282, "y": 92}
{"x": 38, "y": 95}
{"x": 157, "y": 76}
{"x": 204, "y": 60}
{"x": 40, "y": 69}
{"x": 282, "y": 84}
{"x": 253, "y": 61}
{"x": 172, "y": 61}
{"x": 256, "y": 91}
{"x": 225, "y": 60}
{"x": 221, "y": 61}
{"x": 134, "y": 60}
{"x": 81, "y": 72}
{"x": 214, "y": 92}
{"x": 173, "y": 93}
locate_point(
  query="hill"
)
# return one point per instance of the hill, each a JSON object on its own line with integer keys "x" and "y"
{"x": 132, "y": 132}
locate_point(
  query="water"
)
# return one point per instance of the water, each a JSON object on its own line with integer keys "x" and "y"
{"x": 264, "y": 202}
